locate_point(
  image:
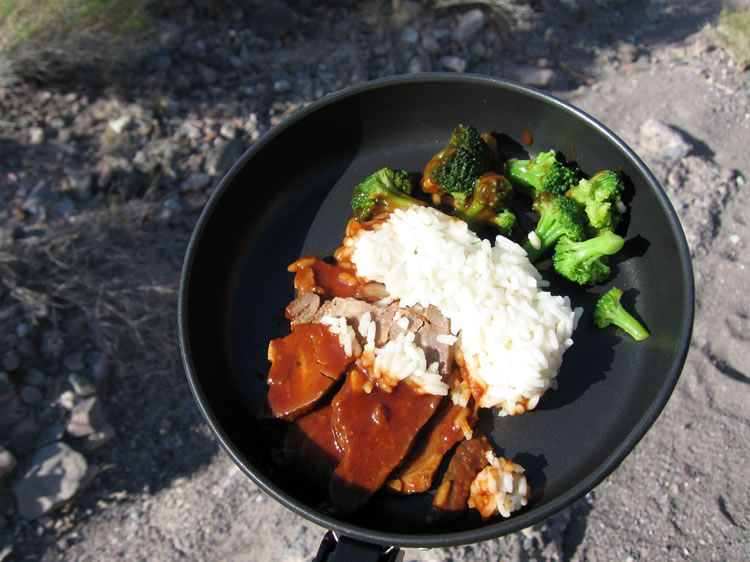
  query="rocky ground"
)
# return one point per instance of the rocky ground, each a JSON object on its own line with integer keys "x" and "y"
{"x": 100, "y": 184}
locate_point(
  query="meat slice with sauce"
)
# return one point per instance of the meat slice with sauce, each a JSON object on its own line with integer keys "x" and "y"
{"x": 304, "y": 367}
{"x": 314, "y": 275}
{"x": 446, "y": 428}
{"x": 452, "y": 496}
{"x": 374, "y": 429}
{"x": 311, "y": 447}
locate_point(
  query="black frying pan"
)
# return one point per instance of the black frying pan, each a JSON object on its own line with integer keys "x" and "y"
{"x": 289, "y": 196}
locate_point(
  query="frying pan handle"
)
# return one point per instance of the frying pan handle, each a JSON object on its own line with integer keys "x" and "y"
{"x": 344, "y": 549}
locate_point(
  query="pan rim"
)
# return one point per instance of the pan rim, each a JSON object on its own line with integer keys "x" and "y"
{"x": 518, "y": 521}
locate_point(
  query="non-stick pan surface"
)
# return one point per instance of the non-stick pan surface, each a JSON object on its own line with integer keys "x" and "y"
{"x": 289, "y": 196}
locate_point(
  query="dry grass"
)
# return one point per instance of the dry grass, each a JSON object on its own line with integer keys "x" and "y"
{"x": 119, "y": 269}
{"x": 52, "y": 40}
{"x": 733, "y": 29}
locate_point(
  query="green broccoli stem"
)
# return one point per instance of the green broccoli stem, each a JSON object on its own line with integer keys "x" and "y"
{"x": 609, "y": 310}
{"x": 504, "y": 220}
{"x": 622, "y": 318}
{"x": 605, "y": 244}
{"x": 549, "y": 230}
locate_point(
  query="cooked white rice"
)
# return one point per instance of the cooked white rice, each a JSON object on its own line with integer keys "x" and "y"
{"x": 511, "y": 334}
{"x": 500, "y": 487}
{"x": 399, "y": 359}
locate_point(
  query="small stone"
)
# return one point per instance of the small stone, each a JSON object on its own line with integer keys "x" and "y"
{"x": 11, "y": 360}
{"x": 662, "y": 141}
{"x": 409, "y": 35}
{"x": 65, "y": 135}
{"x": 228, "y": 130}
{"x": 531, "y": 75}
{"x": 81, "y": 184}
{"x": 82, "y": 386}
{"x": 430, "y": 44}
{"x": 121, "y": 124}
{"x": 23, "y": 329}
{"x": 99, "y": 438}
{"x": 86, "y": 418}
{"x": 196, "y": 182}
{"x": 627, "y": 52}
{"x": 453, "y": 63}
{"x": 222, "y": 155}
{"x": 281, "y": 86}
{"x": 468, "y": 25}
{"x": 7, "y": 461}
{"x": 56, "y": 473}
{"x": 36, "y": 135}
{"x": 419, "y": 64}
{"x": 30, "y": 395}
{"x": 170, "y": 210}
{"x": 67, "y": 399}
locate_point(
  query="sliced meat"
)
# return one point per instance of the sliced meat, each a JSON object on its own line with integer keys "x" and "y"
{"x": 304, "y": 367}
{"x": 375, "y": 430}
{"x": 392, "y": 320}
{"x": 302, "y": 309}
{"x": 350, "y": 308}
{"x": 452, "y": 496}
{"x": 442, "y": 432}
{"x": 372, "y": 291}
{"x": 311, "y": 447}
{"x": 435, "y": 325}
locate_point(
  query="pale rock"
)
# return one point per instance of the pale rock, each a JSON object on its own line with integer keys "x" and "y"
{"x": 56, "y": 473}
{"x": 86, "y": 418}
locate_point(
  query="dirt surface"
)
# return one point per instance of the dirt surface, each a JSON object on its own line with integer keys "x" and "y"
{"x": 90, "y": 262}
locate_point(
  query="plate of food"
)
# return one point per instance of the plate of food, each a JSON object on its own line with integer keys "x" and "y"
{"x": 434, "y": 309}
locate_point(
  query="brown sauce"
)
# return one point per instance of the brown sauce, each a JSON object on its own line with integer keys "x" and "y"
{"x": 453, "y": 493}
{"x": 443, "y": 431}
{"x": 315, "y": 275}
{"x": 304, "y": 367}
{"x": 375, "y": 430}
{"x": 311, "y": 445}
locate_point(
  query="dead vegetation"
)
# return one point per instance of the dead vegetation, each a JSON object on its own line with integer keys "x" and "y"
{"x": 733, "y": 30}
{"x": 116, "y": 267}
{"x": 52, "y": 41}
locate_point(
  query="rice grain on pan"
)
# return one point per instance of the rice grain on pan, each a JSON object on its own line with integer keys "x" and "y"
{"x": 510, "y": 332}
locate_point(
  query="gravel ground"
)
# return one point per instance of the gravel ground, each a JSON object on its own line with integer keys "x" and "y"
{"x": 100, "y": 187}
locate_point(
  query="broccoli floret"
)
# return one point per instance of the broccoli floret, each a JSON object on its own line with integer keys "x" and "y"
{"x": 558, "y": 216}
{"x": 455, "y": 169}
{"x": 545, "y": 173}
{"x": 585, "y": 262}
{"x": 489, "y": 204}
{"x": 609, "y": 310}
{"x": 459, "y": 175}
{"x": 384, "y": 190}
{"x": 600, "y": 196}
